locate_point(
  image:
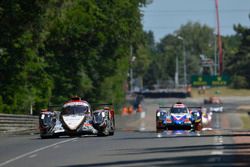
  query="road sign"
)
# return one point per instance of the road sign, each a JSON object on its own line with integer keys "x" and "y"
{"x": 210, "y": 80}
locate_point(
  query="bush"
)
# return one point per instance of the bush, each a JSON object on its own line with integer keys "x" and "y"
{"x": 238, "y": 82}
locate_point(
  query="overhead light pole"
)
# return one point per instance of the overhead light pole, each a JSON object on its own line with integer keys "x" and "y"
{"x": 176, "y": 72}
{"x": 219, "y": 39}
{"x": 184, "y": 60}
{"x": 132, "y": 59}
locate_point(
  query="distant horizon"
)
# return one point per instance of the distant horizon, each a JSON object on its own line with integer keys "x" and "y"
{"x": 164, "y": 17}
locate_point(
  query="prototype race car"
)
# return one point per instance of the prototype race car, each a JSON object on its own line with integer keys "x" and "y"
{"x": 104, "y": 121}
{"x": 213, "y": 100}
{"x": 216, "y": 108}
{"x": 177, "y": 117}
{"x": 206, "y": 118}
{"x": 197, "y": 118}
{"x": 74, "y": 119}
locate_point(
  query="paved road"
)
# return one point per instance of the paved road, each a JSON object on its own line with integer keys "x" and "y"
{"x": 130, "y": 147}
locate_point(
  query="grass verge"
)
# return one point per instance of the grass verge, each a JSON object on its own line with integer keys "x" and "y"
{"x": 220, "y": 91}
{"x": 245, "y": 121}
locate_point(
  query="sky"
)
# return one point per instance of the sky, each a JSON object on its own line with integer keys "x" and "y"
{"x": 166, "y": 16}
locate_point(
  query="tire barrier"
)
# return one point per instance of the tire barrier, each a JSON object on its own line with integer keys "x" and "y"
{"x": 18, "y": 124}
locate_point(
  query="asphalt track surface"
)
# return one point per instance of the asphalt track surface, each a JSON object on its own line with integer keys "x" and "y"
{"x": 134, "y": 144}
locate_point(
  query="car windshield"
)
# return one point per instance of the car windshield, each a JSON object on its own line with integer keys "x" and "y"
{"x": 76, "y": 110}
{"x": 98, "y": 117}
{"x": 47, "y": 119}
{"x": 178, "y": 110}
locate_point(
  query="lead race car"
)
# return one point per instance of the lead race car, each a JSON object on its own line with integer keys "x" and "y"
{"x": 75, "y": 119}
{"x": 177, "y": 117}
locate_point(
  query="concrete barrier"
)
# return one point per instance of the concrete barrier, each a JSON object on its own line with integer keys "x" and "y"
{"x": 18, "y": 124}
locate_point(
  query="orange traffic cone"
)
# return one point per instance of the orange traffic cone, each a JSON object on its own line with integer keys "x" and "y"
{"x": 139, "y": 108}
{"x": 125, "y": 111}
{"x": 130, "y": 109}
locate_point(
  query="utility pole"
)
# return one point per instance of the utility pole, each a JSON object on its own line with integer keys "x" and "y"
{"x": 132, "y": 59}
{"x": 184, "y": 60}
{"x": 131, "y": 69}
{"x": 185, "y": 64}
{"x": 219, "y": 39}
{"x": 215, "y": 56}
{"x": 176, "y": 72}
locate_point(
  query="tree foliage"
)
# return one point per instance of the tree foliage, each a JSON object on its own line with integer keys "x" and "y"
{"x": 51, "y": 49}
{"x": 239, "y": 62}
{"x": 191, "y": 40}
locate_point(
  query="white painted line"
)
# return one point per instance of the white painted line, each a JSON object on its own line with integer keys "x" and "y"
{"x": 32, "y": 156}
{"x": 142, "y": 124}
{"x": 218, "y": 144}
{"x": 143, "y": 115}
{"x": 159, "y": 135}
{"x": 217, "y": 152}
{"x": 207, "y": 129}
{"x": 74, "y": 140}
{"x": 219, "y": 147}
{"x": 56, "y": 146}
{"x": 34, "y": 151}
{"x": 221, "y": 139}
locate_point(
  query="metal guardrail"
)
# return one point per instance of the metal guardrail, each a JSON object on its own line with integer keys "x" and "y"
{"x": 18, "y": 124}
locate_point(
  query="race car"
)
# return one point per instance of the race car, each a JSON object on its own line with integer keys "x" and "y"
{"x": 213, "y": 100}
{"x": 75, "y": 118}
{"x": 49, "y": 124}
{"x": 206, "y": 118}
{"x": 216, "y": 108}
{"x": 104, "y": 120}
{"x": 197, "y": 118}
{"x": 161, "y": 115}
{"x": 176, "y": 117}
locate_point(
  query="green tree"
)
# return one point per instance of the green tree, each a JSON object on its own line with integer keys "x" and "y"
{"x": 52, "y": 49}
{"x": 22, "y": 79}
{"x": 239, "y": 62}
{"x": 191, "y": 40}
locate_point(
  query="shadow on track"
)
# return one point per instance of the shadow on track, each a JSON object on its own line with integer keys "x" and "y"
{"x": 208, "y": 161}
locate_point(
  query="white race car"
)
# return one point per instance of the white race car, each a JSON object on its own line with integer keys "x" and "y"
{"x": 216, "y": 108}
{"x": 75, "y": 119}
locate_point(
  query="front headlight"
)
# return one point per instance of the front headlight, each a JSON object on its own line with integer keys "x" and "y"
{"x": 158, "y": 114}
{"x": 42, "y": 116}
{"x": 103, "y": 114}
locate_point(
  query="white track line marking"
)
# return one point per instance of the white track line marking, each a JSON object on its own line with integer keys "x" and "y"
{"x": 34, "y": 151}
{"x": 217, "y": 152}
{"x": 218, "y": 142}
{"x": 32, "y": 156}
{"x": 56, "y": 146}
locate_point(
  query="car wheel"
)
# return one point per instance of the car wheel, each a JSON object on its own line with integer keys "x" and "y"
{"x": 111, "y": 133}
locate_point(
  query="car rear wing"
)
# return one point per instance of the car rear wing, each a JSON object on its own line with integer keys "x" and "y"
{"x": 53, "y": 107}
{"x": 187, "y": 107}
{"x": 102, "y": 105}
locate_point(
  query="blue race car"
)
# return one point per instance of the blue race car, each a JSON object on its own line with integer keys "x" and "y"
{"x": 177, "y": 117}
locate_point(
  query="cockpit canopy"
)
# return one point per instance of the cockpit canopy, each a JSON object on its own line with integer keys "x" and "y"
{"x": 75, "y": 110}
{"x": 179, "y": 110}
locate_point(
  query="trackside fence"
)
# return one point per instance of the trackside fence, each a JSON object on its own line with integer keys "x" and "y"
{"x": 18, "y": 124}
